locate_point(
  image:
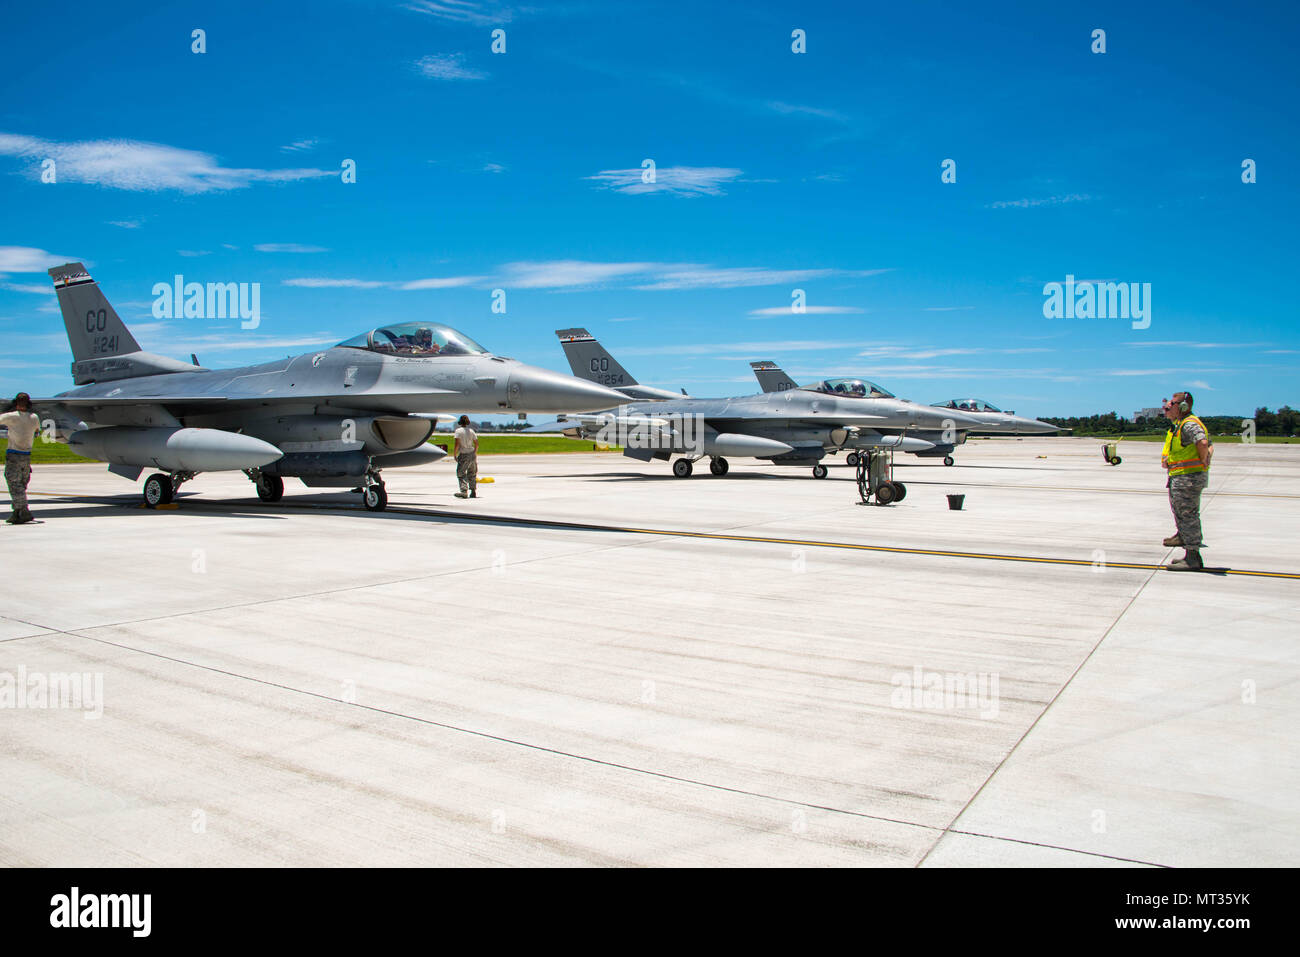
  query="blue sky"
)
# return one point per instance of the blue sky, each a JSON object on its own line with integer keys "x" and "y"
{"x": 775, "y": 171}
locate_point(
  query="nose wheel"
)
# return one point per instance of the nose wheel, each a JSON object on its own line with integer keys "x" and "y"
{"x": 719, "y": 466}
{"x": 683, "y": 468}
{"x": 851, "y": 459}
{"x": 375, "y": 497}
{"x": 948, "y": 460}
{"x": 819, "y": 471}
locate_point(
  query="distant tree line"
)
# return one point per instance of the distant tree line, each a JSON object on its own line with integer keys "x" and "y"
{"x": 1285, "y": 421}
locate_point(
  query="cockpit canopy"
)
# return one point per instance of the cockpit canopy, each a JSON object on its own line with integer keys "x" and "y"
{"x": 419, "y": 339}
{"x": 968, "y": 405}
{"x": 850, "y": 389}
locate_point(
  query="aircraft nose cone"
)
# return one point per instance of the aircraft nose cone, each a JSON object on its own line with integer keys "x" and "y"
{"x": 539, "y": 390}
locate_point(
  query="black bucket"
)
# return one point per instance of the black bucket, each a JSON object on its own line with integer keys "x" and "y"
{"x": 954, "y": 502}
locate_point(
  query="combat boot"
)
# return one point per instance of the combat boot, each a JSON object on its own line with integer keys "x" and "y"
{"x": 1172, "y": 541}
{"x": 1190, "y": 562}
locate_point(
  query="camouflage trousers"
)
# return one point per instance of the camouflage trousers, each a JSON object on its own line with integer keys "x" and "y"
{"x": 1185, "y": 502}
{"x": 467, "y": 470}
{"x": 18, "y": 472}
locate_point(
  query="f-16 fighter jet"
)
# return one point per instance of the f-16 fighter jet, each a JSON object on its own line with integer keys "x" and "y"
{"x": 993, "y": 421}
{"x": 798, "y": 426}
{"x": 333, "y": 418}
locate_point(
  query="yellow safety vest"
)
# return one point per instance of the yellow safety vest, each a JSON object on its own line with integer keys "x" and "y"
{"x": 1183, "y": 459}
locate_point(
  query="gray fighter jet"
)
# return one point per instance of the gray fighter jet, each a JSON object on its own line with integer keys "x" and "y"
{"x": 332, "y": 418}
{"x": 993, "y": 421}
{"x": 799, "y": 426}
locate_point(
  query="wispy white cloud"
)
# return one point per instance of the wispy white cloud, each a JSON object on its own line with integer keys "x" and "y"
{"x": 570, "y": 273}
{"x": 28, "y": 287}
{"x": 463, "y": 11}
{"x": 810, "y": 310}
{"x": 1201, "y": 384}
{"x": 946, "y": 308}
{"x": 447, "y": 66}
{"x": 442, "y": 282}
{"x": 575, "y": 274}
{"x": 494, "y": 168}
{"x": 288, "y": 248}
{"x": 300, "y": 146}
{"x": 125, "y": 223}
{"x": 677, "y": 180}
{"x": 193, "y": 253}
{"x": 702, "y": 277}
{"x": 321, "y": 283}
{"x": 1198, "y": 345}
{"x": 29, "y": 259}
{"x": 1031, "y": 202}
{"x": 824, "y": 114}
{"x": 142, "y": 167}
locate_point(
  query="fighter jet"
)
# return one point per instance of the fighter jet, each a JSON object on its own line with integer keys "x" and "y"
{"x": 795, "y": 427}
{"x": 333, "y": 418}
{"x": 993, "y": 421}
{"x": 996, "y": 422}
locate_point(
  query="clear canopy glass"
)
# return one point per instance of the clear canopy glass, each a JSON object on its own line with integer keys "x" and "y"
{"x": 421, "y": 339}
{"x": 968, "y": 405}
{"x": 851, "y": 389}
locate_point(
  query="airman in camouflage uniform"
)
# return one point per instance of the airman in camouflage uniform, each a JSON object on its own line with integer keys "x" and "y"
{"x": 1186, "y": 456}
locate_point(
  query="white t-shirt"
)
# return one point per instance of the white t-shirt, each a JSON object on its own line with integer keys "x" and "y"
{"x": 467, "y": 438}
{"x": 22, "y": 428}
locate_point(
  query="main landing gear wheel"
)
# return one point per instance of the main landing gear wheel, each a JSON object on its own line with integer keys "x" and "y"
{"x": 886, "y": 493}
{"x": 819, "y": 471}
{"x": 158, "y": 490}
{"x": 375, "y": 497}
{"x": 719, "y": 466}
{"x": 947, "y": 460}
{"x": 851, "y": 459}
{"x": 682, "y": 468}
{"x": 270, "y": 488}
{"x": 900, "y": 491}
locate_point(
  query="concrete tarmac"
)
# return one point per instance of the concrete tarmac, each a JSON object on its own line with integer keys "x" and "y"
{"x": 475, "y": 682}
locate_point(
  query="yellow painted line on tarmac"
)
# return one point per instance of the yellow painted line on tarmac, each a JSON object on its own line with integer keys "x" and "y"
{"x": 757, "y": 539}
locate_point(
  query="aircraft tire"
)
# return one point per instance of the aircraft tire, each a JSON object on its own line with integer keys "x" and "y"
{"x": 902, "y": 490}
{"x": 948, "y": 460}
{"x": 819, "y": 471}
{"x": 158, "y": 490}
{"x": 270, "y": 488}
{"x": 682, "y": 468}
{"x": 719, "y": 466}
{"x": 374, "y": 497}
{"x": 851, "y": 459}
{"x": 885, "y": 493}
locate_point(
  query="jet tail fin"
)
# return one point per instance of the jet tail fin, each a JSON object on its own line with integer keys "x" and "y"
{"x": 103, "y": 348}
{"x": 94, "y": 328}
{"x": 589, "y": 360}
{"x": 771, "y": 377}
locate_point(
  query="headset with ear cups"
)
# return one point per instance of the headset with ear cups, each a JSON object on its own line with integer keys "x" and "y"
{"x": 1183, "y": 405}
